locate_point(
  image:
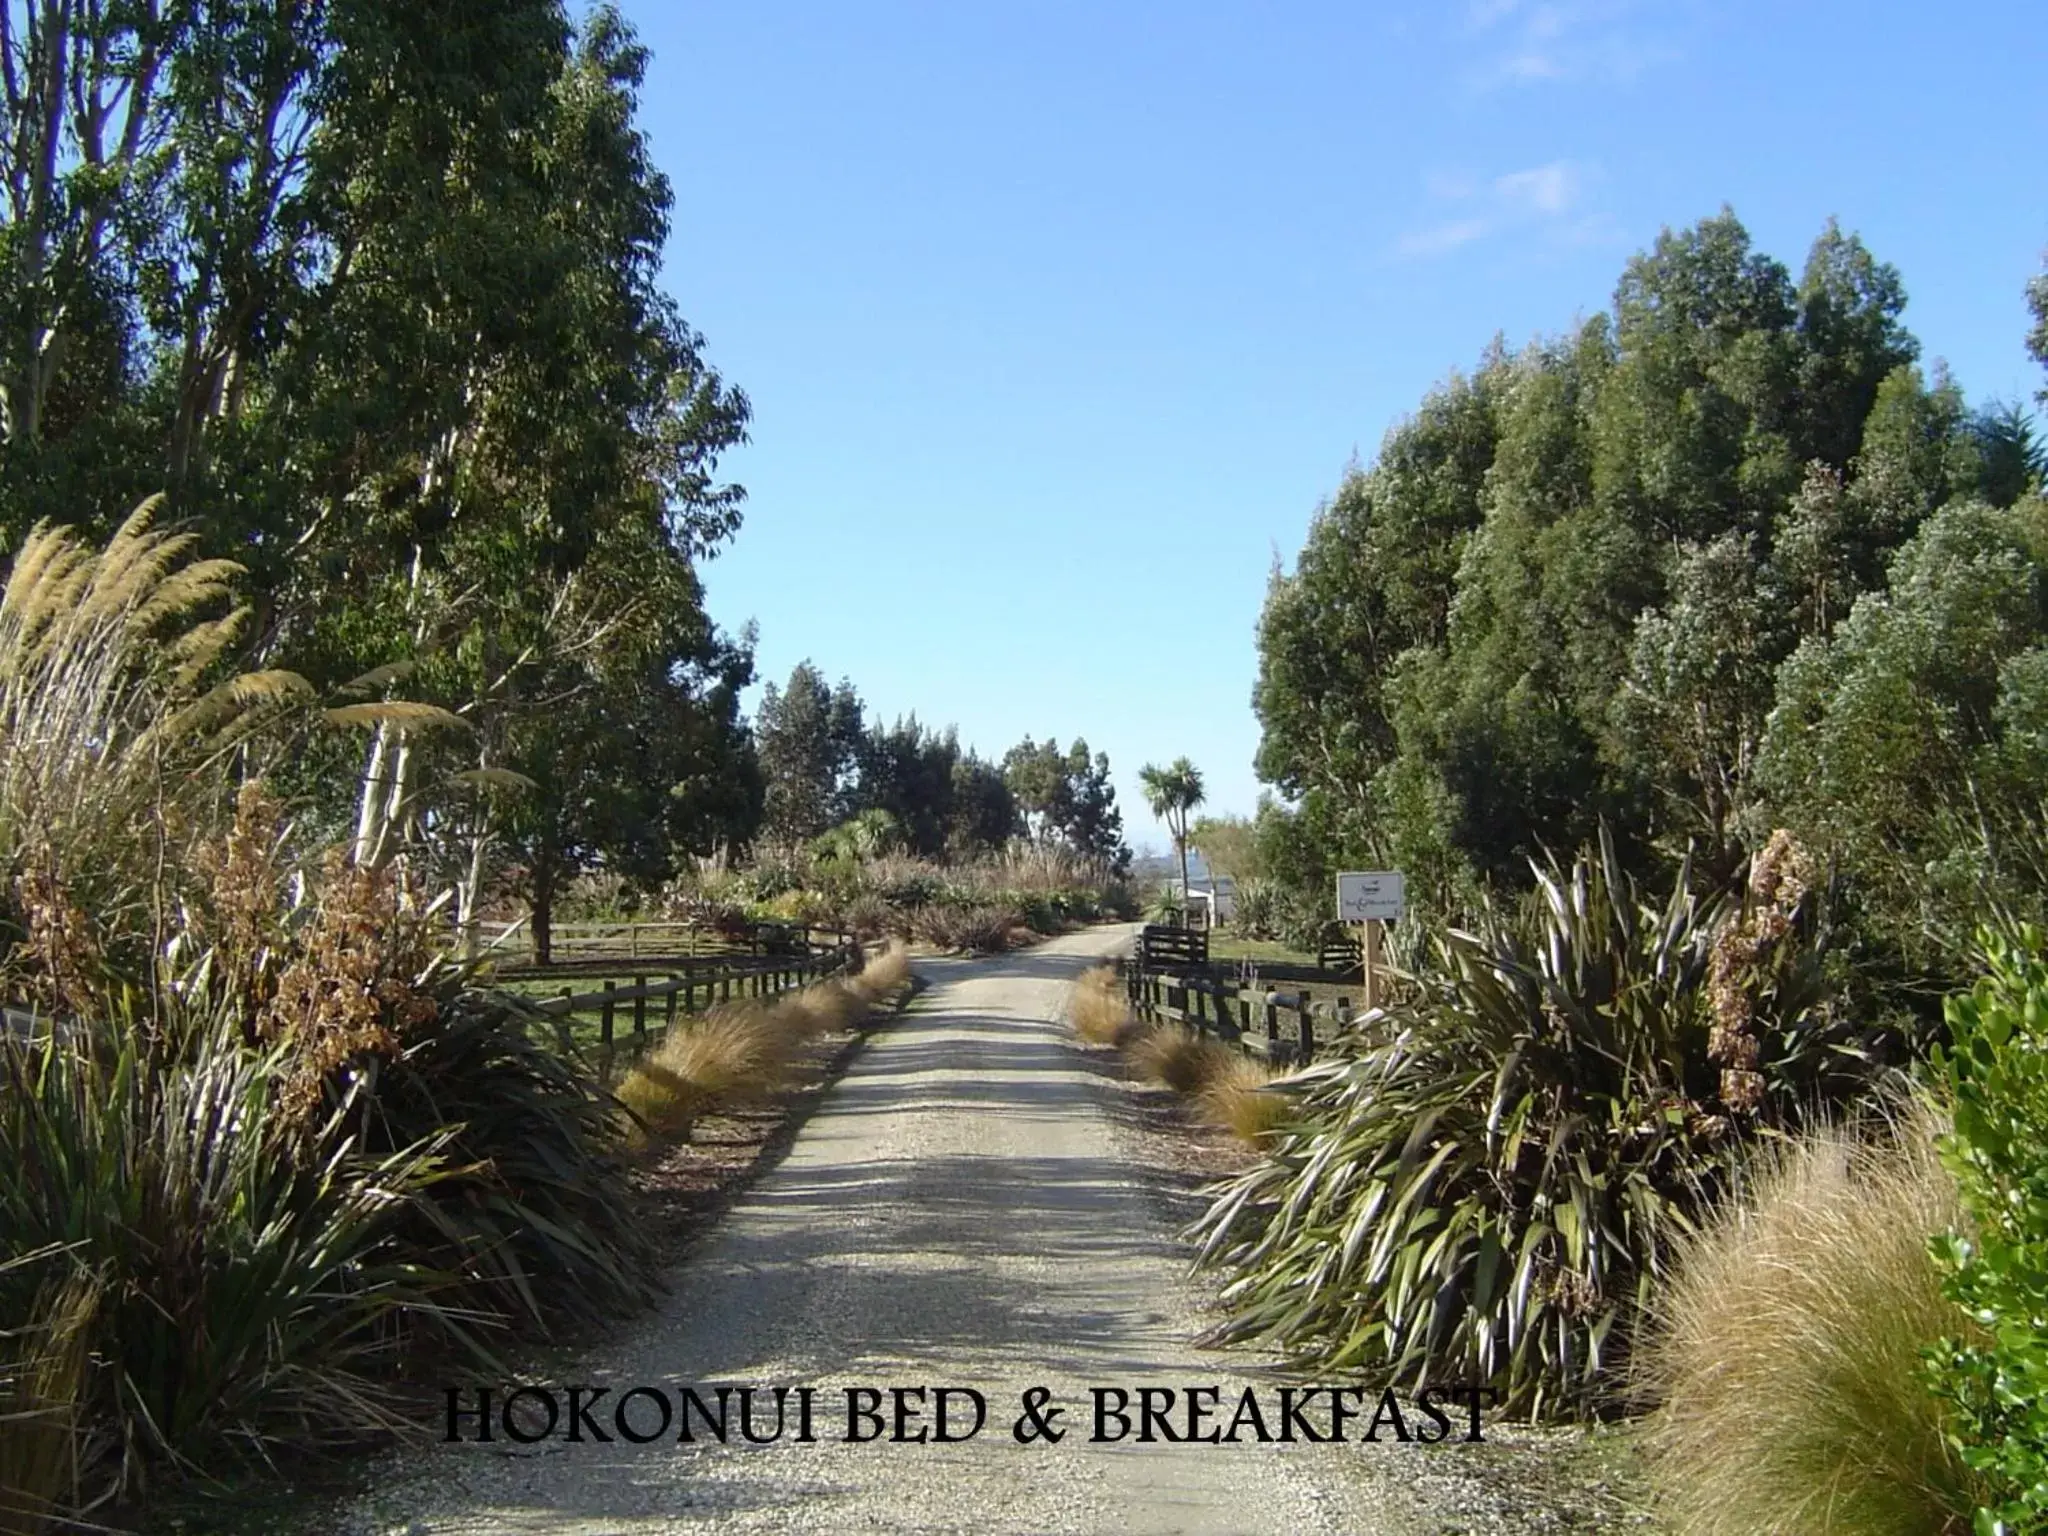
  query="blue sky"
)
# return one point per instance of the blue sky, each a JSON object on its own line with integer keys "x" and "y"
{"x": 1058, "y": 320}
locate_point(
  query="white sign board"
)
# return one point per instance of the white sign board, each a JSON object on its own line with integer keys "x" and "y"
{"x": 1371, "y": 895}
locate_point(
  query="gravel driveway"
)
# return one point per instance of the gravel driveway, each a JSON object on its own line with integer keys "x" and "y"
{"x": 958, "y": 1212}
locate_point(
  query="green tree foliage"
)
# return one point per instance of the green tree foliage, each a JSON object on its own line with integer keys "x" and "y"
{"x": 370, "y": 290}
{"x": 951, "y": 801}
{"x": 1172, "y": 793}
{"x": 825, "y": 769}
{"x": 1067, "y": 797}
{"x": 807, "y": 736}
{"x": 1229, "y": 845}
{"x": 1910, "y": 740}
{"x": 983, "y": 812}
{"x": 1606, "y": 579}
{"x": 1996, "y": 1077}
{"x": 2037, "y": 336}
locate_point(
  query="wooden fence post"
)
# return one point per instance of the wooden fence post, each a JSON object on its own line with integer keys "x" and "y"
{"x": 604, "y": 1029}
{"x": 640, "y": 1008}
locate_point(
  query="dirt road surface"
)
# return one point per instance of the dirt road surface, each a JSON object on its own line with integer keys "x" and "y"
{"x": 958, "y": 1212}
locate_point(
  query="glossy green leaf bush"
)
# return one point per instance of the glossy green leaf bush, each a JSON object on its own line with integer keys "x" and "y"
{"x": 1995, "y": 1069}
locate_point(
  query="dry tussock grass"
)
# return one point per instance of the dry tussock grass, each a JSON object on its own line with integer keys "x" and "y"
{"x": 1180, "y": 1058}
{"x": 1098, "y": 1009}
{"x": 884, "y": 975}
{"x": 821, "y": 1009}
{"x": 743, "y": 1051}
{"x": 1238, "y": 1099}
{"x": 1787, "y": 1351}
{"x": 729, "y": 1053}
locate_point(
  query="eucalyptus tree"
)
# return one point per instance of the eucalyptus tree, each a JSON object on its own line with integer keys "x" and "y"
{"x": 1067, "y": 797}
{"x": 370, "y": 289}
{"x": 1559, "y": 595}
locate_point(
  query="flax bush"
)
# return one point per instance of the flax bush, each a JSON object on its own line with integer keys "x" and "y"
{"x": 216, "y": 1272}
{"x": 1488, "y": 1186}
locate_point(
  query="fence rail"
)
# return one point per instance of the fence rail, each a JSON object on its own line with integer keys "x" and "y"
{"x": 1160, "y": 946}
{"x": 695, "y": 987}
{"x": 686, "y": 983}
{"x": 1281, "y": 1028}
{"x": 1340, "y": 955}
{"x": 664, "y": 941}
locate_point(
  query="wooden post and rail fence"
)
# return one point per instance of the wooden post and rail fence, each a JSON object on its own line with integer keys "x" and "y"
{"x": 1168, "y": 981}
{"x": 662, "y": 940}
{"x": 693, "y": 986}
{"x": 674, "y": 969}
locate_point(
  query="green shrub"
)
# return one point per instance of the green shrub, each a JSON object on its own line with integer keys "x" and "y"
{"x": 776, "y": 871}
{"x": 1120, "y": 901}
{"x": 1303, "y": 919}
{"x": 45, "y": 1359}
{"x": 1995, "y": 1069}
{"x": 1487, "y": 1188}
{"x": 1041, "y": 912}
{"x": 1166, "y": 907}
{"x": 237, "y": 1239}
{"x": 530, "y": 1223}
{"x": 907, "y": 891}
{"x": 227, "y": 1264}
{"x": 1082, "y": 905}
{"x": 1257, "y": 913}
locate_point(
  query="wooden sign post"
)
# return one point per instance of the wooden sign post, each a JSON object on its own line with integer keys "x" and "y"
{"x": 1370, "y": 899}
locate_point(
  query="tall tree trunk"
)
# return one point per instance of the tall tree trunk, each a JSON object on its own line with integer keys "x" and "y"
{"x": 469, "y": 895}
{"x": 370, "y": 809}
{"x": 543, "y": 902}
{"x": 1187, "y": 892}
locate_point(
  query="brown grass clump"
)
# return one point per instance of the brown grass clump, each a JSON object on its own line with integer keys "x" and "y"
{"x": 1238, "y": 1099}
{"x": 729, "y": 1053}
{"x": 1180, "y": 1058}
{"x": 44, "y": 1366}
{"x": 741, "y": 1051}
{"x": 1787, "y": 1352}
{"x": 1098, "y": 1009}
{"x": 823, "y": 1008}
{"x": 884, "y": 975}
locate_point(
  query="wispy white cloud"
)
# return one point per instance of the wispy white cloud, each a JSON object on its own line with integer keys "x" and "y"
{"x": 1482, "y": 14}
{"x": 1547, "y": 201}
{"x": 1524, "y": 41}
{"x": 1440, "y": 238}
{"x": 1544, "y": 189}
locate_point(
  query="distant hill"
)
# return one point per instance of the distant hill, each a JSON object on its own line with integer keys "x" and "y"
{"x": 1150, "y": 868}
